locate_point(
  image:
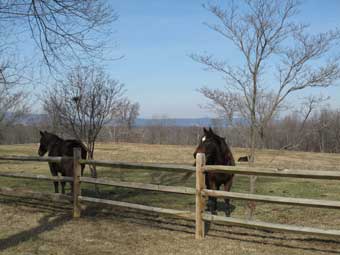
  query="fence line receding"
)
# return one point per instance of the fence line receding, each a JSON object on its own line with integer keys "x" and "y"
{"x": 200, "y": 192}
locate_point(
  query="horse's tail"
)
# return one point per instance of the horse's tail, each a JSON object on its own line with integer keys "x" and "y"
{"x": 83, "y": 151}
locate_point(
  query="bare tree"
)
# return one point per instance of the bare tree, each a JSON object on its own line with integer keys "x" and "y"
{"x": 64, "y": 31}
{"x": 309, "y": 105}
{"x": 128, "y": 113}
{"x": 84, "y": 102}
{"x": 12, "y": 97}
{"x": 123, "y": 126}
{"x": 275, "y": 51}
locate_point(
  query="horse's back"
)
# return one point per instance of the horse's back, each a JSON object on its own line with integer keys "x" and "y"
{"x": 65, "y": 149}
{"x": 69, "y": 145}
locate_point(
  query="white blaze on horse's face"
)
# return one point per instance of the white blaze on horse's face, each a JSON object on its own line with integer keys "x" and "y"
{"x": 203, "y": 138}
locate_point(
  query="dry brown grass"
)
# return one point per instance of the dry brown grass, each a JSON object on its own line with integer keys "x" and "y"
{"x": 38, "y": 227}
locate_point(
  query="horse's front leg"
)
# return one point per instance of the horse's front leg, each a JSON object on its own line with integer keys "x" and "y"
{"x": 212, "y": 201}
{"x": 54, "y": 172}
{"x": 212, "y": 205}
{"x": 228, "y": 207}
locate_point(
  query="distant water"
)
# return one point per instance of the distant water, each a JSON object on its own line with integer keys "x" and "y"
{"x": 143, "y": 122}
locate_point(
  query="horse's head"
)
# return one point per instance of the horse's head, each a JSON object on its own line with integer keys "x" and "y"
{"x": 44, "y": 143}
{"x": 215, "y": 148}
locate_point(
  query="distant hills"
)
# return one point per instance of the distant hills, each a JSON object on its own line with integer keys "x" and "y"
{"x": 33, "y": 119}
{"x": 179, "y": 122}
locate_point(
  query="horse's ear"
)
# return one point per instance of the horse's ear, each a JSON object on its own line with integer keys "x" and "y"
{"x": 41, "y": 133}
{"x": 205, "y": 130}
{"x": 211, "y": 131}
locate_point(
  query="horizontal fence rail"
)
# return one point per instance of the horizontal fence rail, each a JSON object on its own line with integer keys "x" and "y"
{"x": 272, "y": 226}
{"x": 147, "y": 166}
{"x": 274, "y": 199}
{"x": 34, "y": 158}
{"x": 137, "y": 185}
{"x": 35, "y": 195}
{"x": 178, "y": 213}
{"x": 36, "y": 176}
{"x": 272, "y": 172}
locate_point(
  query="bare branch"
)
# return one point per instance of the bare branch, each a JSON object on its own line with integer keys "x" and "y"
{"x": 84, "y": 102}
{"x": 64, "y": 31}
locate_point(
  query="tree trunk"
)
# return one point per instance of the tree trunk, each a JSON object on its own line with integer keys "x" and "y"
{"x": 93, "y": 168}
{"x": 251, "y": 205}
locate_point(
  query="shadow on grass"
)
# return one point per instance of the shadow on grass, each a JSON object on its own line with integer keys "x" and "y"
{"x": 216, "y": 230}
{"x": 47, "y": 223}
{"x": 42, "y": 206}
{"x": 169, "y": 223}
{"x": 146, "y": 197}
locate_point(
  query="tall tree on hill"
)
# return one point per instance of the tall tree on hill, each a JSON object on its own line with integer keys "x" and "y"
{"x": 279, "y": 58}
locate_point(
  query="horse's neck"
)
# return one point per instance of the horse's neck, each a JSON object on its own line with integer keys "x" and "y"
{"x": 54, "y": 143}
{"x": 229, "y": 158}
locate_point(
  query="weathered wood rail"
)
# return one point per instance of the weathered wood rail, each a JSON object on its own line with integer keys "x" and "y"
{"x": 141, "y": 166}
{"x": 275, "y": 172}
{"x": 25, "y": 193}
{"x": 200, "y": 192}
{"x": 178, "y": 213}
{"x": 137, "y": 185}
{"x": 32, "y": 158}
{"x": 269, "y": 172}
{"x": 274, "y": 199}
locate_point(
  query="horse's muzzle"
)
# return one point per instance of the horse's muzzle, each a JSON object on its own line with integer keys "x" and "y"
{"x": 41, "y": 153}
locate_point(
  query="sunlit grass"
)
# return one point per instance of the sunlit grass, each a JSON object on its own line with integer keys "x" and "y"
{"x": 286, "y": 187}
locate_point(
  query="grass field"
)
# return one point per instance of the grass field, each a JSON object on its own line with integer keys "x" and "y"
{"x": 36, "y": 227}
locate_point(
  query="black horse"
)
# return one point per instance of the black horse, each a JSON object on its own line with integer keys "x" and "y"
{"x": 58, "y": 147}
{"x": 244, "y": 159}
{"x": 217, "y": 152}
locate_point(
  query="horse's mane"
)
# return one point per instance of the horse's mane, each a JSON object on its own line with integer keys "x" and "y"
{"x": 53, "y": 136}
{"x": 225, "y": 148}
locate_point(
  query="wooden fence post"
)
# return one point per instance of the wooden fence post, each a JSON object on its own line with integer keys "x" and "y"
{"x": 76, "y": 182}
{"x": 200, "y": 202}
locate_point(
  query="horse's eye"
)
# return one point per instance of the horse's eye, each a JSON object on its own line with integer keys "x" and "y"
{"x": 203, "y": 138}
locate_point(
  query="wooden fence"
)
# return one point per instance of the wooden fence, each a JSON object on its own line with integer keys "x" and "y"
{"x": 201, "y": 193}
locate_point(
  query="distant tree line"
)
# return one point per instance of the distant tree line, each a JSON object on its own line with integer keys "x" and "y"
{"x": 320, "y": 133}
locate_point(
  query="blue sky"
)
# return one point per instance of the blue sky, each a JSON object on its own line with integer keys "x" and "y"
{"x": 156, "y": 37}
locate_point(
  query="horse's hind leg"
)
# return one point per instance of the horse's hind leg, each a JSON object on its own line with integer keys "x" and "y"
{"x": 228, "y": 207}
{"x": 82, "y": 169}
{"x": 62, "y": 187}
{"x": 56, "y": 188}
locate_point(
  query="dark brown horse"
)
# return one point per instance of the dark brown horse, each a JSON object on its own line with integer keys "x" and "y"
{"x": 244, "y": 159}
{"x": 217, "y": 152}
{"x": 58, "y": 147}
